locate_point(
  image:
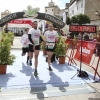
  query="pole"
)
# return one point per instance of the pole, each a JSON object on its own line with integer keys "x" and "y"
{"x": 81, "y": 56}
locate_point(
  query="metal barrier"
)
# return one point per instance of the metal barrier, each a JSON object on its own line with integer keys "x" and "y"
{"x": 73, "y": 51}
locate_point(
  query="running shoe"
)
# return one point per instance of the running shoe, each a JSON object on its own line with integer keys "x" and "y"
{"x": 50, "y": 69}
{"x": 35, "y": 74}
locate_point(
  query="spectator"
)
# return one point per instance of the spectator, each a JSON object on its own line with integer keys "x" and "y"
{"x": 86, "y": 37}
{"x": 91, "y": 36}
{"x": 79, "y": 36}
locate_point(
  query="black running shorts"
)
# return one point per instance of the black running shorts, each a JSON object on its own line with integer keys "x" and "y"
{"x": 24, "y": 50}
{"x": 31, "y": 48}
{"x": 50, "y": 50}
{"x": 37, "y": 47}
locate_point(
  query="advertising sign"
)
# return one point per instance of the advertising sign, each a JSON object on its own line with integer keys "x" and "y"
{"x": 87, "y": 51}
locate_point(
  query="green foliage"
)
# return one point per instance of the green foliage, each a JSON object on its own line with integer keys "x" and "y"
{"x": 74, "y": 20}
{"x": 68, "y": 20}
{"x": 80, "y": 19}
{"x": 9, "y": 34}
{"x": 43, "y": 46}
{"x": 61, "y": 47}
{"x": 6, "y": 58}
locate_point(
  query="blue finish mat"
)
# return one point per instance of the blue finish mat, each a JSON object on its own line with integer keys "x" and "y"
{"x": 19, "y": 75}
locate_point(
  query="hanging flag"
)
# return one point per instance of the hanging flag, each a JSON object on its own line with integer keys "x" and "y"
{"x": 64, "y": 17}
{"x": 43, "y": 26}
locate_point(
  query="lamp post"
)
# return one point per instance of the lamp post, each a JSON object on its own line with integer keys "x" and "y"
{"x": 66, "y": 12}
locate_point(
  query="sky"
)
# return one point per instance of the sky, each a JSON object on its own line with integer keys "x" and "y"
{"x": 20, "y": 5}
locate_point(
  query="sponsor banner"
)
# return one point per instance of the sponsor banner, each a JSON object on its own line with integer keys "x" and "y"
{"x": 87, "y": 51}
{"x": 22, "y": 22}
{"x": 68, "y": 42}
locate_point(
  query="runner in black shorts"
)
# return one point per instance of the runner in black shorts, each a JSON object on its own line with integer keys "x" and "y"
{"x": 25, "y": 42}
{"x": 48, "y": 49}
{"x": 34, "y": 46}
{"x": 51, "y": 37}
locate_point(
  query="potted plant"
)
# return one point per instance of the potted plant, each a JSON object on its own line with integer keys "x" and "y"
{"x": 6, "y": 58}
{"x": 60, "y": 50}
{"x": 11, "y": 35}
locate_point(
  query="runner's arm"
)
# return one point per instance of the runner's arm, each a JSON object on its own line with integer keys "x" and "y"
{"x": 22, "y": 40}
{"x": 41, "y": 39}
{"x": 45, "y": 36}
{"x": 30, "y": 39}
{"x": 56, "y": 39}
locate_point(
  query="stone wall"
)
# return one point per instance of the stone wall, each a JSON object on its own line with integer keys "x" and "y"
{"x": 90, "y": 7}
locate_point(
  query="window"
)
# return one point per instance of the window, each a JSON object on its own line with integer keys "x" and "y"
{"x": 73, "y": 12}
{"x": 52, "y": 9}
{"x": 82, "y": 5}
{"x": 77, "y": 7}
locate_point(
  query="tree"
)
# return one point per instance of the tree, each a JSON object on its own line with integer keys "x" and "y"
{"x": 80, "y": 19}
{"x": 68, "y": 20}
{"x": 74, "y": 20}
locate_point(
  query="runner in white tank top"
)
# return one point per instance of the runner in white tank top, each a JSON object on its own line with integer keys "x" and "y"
{"x": 51, "y": 37}
{"x": 34, "y": 38}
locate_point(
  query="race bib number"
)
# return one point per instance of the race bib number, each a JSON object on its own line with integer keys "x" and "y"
{"x": 36, "y": 42}
{"x": 27, "y": 46}
{"x": 51, "y": 46}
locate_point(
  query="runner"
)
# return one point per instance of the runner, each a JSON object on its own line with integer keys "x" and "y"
{"x": 34, "y": 46}
{"x": 24, "y": 40}
{"x": 51, "y": 37}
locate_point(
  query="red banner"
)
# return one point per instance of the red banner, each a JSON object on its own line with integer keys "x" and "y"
{"x": 68, "y": 42}
{"x": 22, "y": 22}
{"x": 87, "y": 51}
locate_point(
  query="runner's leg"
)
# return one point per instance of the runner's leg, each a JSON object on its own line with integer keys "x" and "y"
{"x": 36, "y": 54}
{"x": 30, "y": 54}
{"x": 49, "y": 53}
{"x": 27, "y": 56}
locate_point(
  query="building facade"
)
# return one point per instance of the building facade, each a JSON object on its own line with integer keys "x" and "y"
{"x": 88, "y": 7}
{"x": 53, "y": 9}
{"x": 76, "y": 7}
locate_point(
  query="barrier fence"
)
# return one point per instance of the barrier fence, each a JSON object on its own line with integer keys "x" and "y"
{"x": 88, "y": 56}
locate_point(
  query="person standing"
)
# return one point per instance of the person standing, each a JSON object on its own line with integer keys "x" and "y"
{"x": 24, "y": 40}
{"x": 51, "y": 37}
{"x": 34, "y": 36}
{"x": 86, "y": 37}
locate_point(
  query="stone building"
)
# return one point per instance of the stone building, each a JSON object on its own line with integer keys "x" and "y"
{"x": 3, "y": 14}
{"x": 53, "y": 9}
{"x": 88, "y": 7}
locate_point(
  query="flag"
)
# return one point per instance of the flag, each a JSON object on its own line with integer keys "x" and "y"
{"x": 43, "y": 26}
{"x": 64, "y": 17}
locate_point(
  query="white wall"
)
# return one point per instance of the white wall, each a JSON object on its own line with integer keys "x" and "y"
{"x": 49, "y": 11}
{"x": 77, "y": 8}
